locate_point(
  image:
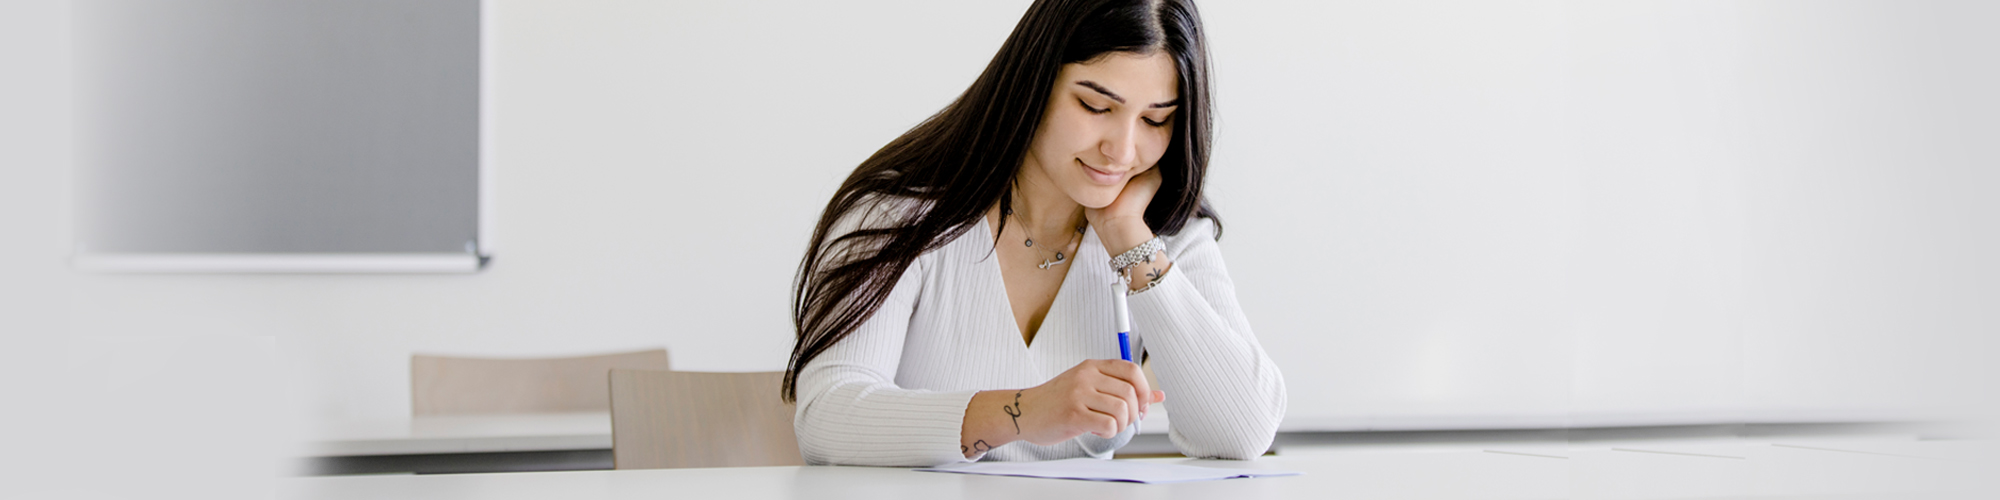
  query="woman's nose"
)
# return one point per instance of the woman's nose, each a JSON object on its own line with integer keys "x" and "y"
{"x": 1120, "y": 146}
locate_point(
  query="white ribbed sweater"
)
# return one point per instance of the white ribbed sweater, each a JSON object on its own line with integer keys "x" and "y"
{"x": 894, "y": 392}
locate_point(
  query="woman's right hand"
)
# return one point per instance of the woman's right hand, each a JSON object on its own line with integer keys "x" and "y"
{"x": 1098, "y": 396}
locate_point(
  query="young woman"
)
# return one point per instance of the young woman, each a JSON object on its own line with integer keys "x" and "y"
{"x": 957, "y": 300}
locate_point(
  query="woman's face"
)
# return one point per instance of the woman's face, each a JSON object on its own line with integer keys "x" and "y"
{"x": 1108, "y": 120}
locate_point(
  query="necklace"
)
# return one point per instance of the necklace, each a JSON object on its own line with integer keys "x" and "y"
{"x": 1060, "y": 258}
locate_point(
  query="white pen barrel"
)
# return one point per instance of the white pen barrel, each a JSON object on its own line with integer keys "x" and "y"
{"x": 1120, "y": 310}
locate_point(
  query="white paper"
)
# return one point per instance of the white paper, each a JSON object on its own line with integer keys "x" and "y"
{"x": 1091, "y": 469}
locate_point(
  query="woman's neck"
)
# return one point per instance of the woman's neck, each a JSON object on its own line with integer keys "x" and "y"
{"x": 1042, "y": 207}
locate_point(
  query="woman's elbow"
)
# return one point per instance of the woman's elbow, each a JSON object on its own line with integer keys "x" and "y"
{"x": 816, "y": 451}
{"x": 811, "y": 449}
{"x": 1245, "y": 439}
{"x": 1243, "y": 447}
{"x": 1242, "y": 443}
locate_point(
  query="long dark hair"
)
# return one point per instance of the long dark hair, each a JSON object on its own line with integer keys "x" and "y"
{"x": 963, "y": 160}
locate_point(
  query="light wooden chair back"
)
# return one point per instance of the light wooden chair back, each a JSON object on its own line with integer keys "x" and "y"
{"x": 441, "y": 385}
{"x": 665, "y": 419}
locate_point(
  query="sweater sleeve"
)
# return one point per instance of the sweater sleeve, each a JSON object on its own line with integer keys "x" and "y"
{"x": 850, "y": 410}
{"x": 1225, "y": 395}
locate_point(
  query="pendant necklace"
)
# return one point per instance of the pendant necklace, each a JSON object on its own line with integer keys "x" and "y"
{"x": 1060, "y": 258}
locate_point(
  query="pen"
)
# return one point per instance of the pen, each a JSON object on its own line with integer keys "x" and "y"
{"x": 1123, "y": 311}
{"x": 1122, "y": 314}
{"x": 1124, "y": 318}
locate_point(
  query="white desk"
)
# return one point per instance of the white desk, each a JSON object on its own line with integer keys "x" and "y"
{"x": 472, "y": 443}
{"x": 489, "y": 434}
{"x": 460, "y": 443}
{"x": 1747, "y": 471}
{"x": 461, "y": 434}
{"x": 1325, "y": 475}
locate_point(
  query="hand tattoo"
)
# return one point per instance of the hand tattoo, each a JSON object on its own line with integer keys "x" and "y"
{"x": 1014, "y": 411}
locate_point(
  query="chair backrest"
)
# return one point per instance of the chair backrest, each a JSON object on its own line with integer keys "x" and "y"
{"x": 441, "y": 385}
{"x": 665, "y": 419}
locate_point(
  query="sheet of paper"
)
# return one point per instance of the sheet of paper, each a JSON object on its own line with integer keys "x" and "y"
{"x": 1091, "y": 469}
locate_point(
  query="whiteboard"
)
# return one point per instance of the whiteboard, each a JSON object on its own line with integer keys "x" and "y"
{"x": 258, "y": 136}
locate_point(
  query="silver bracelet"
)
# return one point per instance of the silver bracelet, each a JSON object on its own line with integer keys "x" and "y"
{"x": 1142, "y": 253}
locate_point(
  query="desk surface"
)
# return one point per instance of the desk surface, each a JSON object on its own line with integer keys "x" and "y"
{"x": 488, "y": 434}
{"x": 1666, "y": 471}
{"x": 461, "y": 434}
{"x": 1515, "y": 476}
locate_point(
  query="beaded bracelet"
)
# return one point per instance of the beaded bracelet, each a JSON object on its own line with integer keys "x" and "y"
{"x": 1142, "y": 253}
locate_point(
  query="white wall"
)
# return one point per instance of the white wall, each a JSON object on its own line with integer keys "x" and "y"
{"x": 1439, "y": 214}
{"x": 1642, "y": 212}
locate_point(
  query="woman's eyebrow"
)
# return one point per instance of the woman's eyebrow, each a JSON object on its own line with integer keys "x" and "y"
{"x": 1121, "y": 100}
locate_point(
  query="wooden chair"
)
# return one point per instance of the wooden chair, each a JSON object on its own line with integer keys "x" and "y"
{"x": 666, "y": 419}
{"x": 442, "y": 385}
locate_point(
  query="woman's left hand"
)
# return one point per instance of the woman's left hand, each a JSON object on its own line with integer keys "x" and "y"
{"x": 1125, "y": 217}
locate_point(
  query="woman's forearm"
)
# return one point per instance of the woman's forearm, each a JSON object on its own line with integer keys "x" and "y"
{"x": 1230, "y": 395}
{"x": 992, "y": 419}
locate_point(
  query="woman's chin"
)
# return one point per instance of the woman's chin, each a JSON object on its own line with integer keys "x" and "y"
{"x": 1093, "y": 199}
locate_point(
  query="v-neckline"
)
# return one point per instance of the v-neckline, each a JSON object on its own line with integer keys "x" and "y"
{"x": 1000, "y": 280}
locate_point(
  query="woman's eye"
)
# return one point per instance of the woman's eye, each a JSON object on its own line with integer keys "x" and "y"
{"x": 1094, "y": 111}
{"x": 1161, "y": 123}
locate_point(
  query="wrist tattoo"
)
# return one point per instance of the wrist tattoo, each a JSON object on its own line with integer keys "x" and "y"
{"x": 979, "y": 446}
{"x": 1014, "y": 411}
{"x": 1153, "y": 274}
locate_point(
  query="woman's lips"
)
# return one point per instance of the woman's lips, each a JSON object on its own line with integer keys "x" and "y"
{"x": 1100, "y": 176}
